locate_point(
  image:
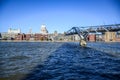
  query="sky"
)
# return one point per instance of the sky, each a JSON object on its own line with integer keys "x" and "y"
{"x": 57, "y": 15}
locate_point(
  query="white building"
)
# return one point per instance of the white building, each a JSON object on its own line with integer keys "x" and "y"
{"x": 10, "y": 30}
{"x": 43, "y": 30}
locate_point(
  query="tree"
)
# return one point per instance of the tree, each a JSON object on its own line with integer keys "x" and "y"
{"x": 41, "y": 38}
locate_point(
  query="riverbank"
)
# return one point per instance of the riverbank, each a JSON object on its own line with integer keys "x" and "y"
{"x": 32, "y": 41}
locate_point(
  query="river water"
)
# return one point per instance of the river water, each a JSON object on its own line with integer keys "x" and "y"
{"x": 59, "y": 61}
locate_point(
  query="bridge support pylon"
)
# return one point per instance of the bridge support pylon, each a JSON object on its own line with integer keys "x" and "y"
{"x": 83, "y": 43}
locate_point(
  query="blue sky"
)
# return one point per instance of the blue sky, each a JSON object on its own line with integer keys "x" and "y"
{"x": 58, "y": 15}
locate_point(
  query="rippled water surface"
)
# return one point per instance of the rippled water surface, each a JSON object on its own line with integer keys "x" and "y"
{"x": 58, "y": 61}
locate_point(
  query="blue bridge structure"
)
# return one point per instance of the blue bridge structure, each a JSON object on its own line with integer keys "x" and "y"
{"x": 84, "y": 31}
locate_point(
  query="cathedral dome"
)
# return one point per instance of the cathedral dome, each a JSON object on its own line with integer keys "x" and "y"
{"x": 43, "y": 29}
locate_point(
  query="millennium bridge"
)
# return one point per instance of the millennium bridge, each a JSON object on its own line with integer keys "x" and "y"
{"x": 84, "y": 31}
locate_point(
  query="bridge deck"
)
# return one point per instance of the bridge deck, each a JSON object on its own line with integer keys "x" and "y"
{"x": 90, "y": 29}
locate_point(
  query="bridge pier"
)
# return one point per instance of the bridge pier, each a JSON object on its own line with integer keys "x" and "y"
{"x": 83, "y": 43}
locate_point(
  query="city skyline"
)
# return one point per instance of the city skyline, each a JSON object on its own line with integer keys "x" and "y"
{"x": 59, "y": 15}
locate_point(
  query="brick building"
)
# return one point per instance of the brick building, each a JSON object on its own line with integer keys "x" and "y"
{"x": 28, "y": 36}
{"x": 41, "y": 37}
{"x": 37, "y": 36}
{"x": 31, "y": 37}
{"x": 92, "y": 37}
{"x": 20, "y": 37}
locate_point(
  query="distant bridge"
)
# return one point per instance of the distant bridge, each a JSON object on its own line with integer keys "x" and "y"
{"x": 84, "y": 31}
